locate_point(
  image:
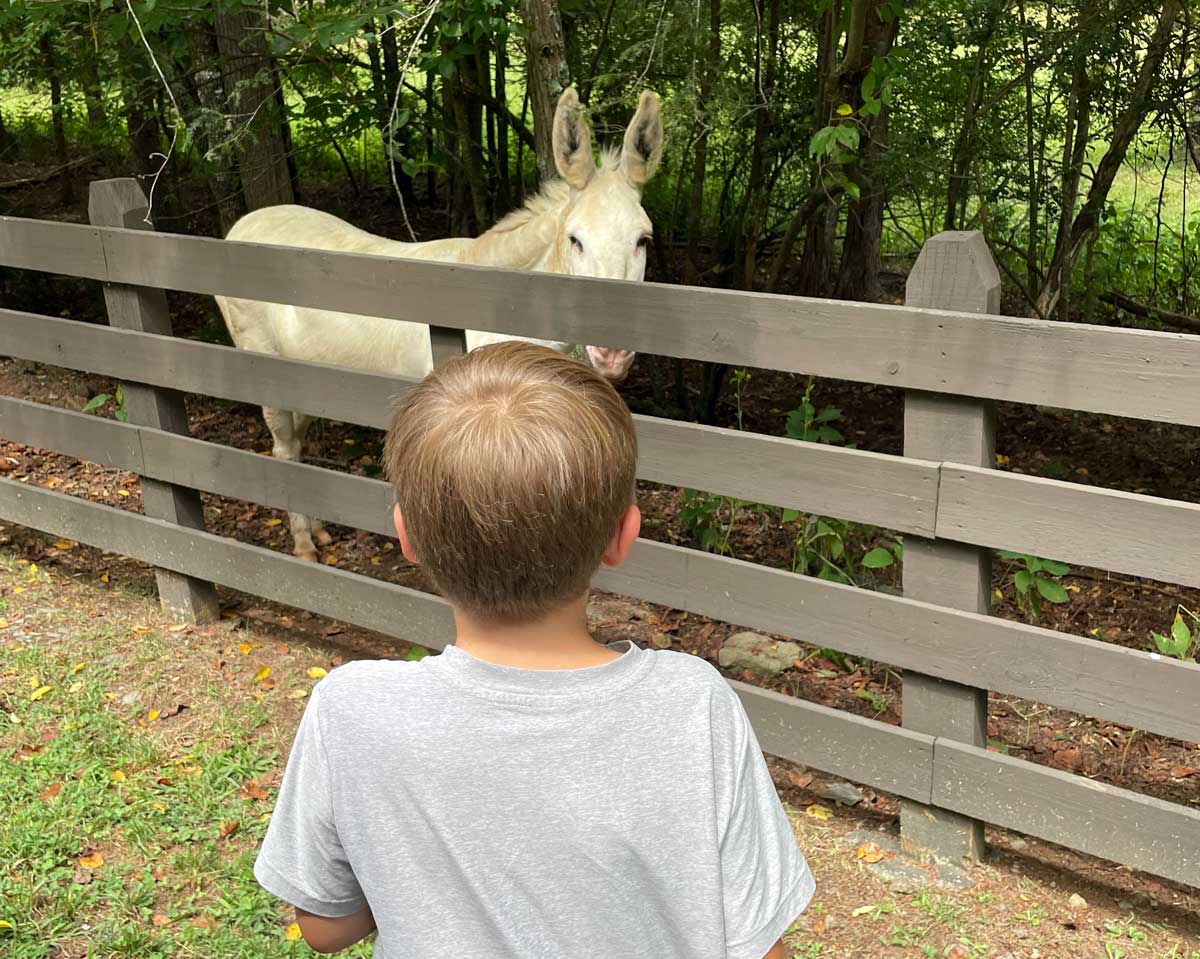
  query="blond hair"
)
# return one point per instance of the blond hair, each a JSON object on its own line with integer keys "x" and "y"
{"x": 512, "y": 466}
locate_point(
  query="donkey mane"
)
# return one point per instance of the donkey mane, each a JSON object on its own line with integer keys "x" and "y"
{"x": 552, "y": 197}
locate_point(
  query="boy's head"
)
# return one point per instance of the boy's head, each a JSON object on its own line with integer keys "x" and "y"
{"x": 513, "y": 468}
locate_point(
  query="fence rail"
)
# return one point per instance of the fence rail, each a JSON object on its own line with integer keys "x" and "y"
{"x": 1146, "y": 375}
{"x": 953, "y": 512}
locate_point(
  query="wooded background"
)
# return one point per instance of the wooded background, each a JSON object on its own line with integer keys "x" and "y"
{"x": 812, "y": 145}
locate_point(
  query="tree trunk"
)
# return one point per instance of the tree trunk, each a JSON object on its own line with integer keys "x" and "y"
{"x": 205, "y": 90}
{"x": 757, "y": 198}
{"x": 49, "y": 61}
{"x": 960, "y": 161}
{"x": 1075, "y": 144}
{"x": 548, "y": 74}
{"x": 145, "y": 138}
{"x": 430, "y": 126}
{"x": 393, "y": 82}
{"x": 1125, "y": 129}
{"x": 89, "y": 81}
{"x": 250, "y": 81}
{"x": 8, "y": 143}
{"x": 708, "y": 82}
{"x": 858, "y": 272}
{"x": 504, "y": 181}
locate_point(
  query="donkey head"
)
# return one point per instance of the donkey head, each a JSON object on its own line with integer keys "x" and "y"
{"x": 605, "y": 232}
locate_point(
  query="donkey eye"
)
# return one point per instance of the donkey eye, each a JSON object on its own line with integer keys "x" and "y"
{"x": 575, "y": 242}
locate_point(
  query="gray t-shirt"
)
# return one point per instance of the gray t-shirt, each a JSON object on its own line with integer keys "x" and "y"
{"x": 487, "y": 812}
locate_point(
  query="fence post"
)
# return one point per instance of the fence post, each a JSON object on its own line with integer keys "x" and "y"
{"x": 446, "y": 343}
{"x": 955, "y": 271}
{"x": 121, "y": 203}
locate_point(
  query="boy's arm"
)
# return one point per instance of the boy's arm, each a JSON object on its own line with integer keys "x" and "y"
{"x": 333, "y": 935}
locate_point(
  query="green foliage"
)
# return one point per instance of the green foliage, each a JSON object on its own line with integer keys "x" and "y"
{"x": 1178, "y": 641}
{"x": 810, "y": 425}
{"x": 1035, "y": 580}
{"x": 100, "y": 399}
{"x": 709, "y": 519}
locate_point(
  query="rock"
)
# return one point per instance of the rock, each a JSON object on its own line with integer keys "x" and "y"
{"x": 1017, "y": 844}
{"x": 1125, "y": 905}
{"x": 902, "y": 877}
{"x": 131, "y": 698}
{"x": 840, "y": 792}
{"x": 952, "y": 877}
{"x": 759, "y": 653}
{"x": 1077, "y": 901}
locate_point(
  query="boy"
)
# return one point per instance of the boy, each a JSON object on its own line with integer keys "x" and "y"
{"x": 529, "y": 793}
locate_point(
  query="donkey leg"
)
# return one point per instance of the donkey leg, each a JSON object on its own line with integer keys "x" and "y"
{"x": 287, "y": 447}
{"x": 300, "y": 423}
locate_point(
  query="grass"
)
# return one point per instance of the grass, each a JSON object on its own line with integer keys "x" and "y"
{"x": 127, "y": 833}
{"x": 118, "y": 841}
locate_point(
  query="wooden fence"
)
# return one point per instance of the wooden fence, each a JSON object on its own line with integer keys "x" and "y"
{"x": 948, "y": 350}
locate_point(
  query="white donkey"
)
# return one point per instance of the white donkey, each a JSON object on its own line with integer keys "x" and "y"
{"x": 589, "y": 223}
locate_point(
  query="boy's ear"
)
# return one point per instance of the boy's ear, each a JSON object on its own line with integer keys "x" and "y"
{"x": 628, "y": 527}
{"x": 405, "y": 545}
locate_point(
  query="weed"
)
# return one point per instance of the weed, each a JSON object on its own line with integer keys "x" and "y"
{"x": 873, "y": 699}
{"x": 810, "y": 425}
{"x": 1179, "y": 643}
{"x": 1035, "y": 579}
{"x": 97, "y": 401}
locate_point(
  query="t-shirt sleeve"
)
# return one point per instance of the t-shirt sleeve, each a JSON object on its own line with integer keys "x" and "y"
{"x": 765, "y": 879}
{"x": 302, "y": 860}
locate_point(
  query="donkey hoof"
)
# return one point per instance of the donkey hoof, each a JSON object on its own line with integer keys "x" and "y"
{"x": 308, "y": 555}
{"x": 322, "y": 537}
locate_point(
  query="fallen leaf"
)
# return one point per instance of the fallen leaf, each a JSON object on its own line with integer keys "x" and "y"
{"x": 862, "y": 911}
{"x": 1182, "y": 772}
{"x": 75, "y": 687}
{"x": 104, "y": 577}
{"x": 282, "y": 650}
{"x": 375, "y": 560}
{"x": 172, "y": 711}
{"x": 39, "y": 693}
{"x": 252, "y": 790}
{"x": 331, "y": 630}
{"x": 50, "y": 791}
{"x": 799, "y": 780}
{"x": 267, "y": 684}
{"x": 292, "y": 932}
{"x": 229, "y": 828}
{"x": 142, "y": 630}
{"x": 316, "y": 672}
{"x": 818, "y": 926}
{"x": 118, "y": 775}
{"x": 870, "y": 852}
{"x": 274, "y": 521}
{"x": 191, "y": 770}
{"x": 160, "y": 920}
{"x": 158, "y": 807}
{"x": 64, "y": 544}
{"x": 817, "y": 811}
{"x": 78, "y": 667}
{"x": 206, "y": 923}
{"x": 122, "y": 492}
{"x": 163, "y": 780}
{"x": 262, "y": 674}
{"x": 179, "y": 628}
{"x": 330, "y": 560}
{"x": 247, "y": 648}
{"x": 152, "y": 715}
{"x": 93, "y": 860}
{"x": 297, "y": 694}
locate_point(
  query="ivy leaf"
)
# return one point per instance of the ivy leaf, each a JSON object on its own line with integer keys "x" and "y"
{"x": 1023, "y": 580}
{"x": 878, "y": 558}
{"x": 95, "y": 402}
{"x": 845, "y": 110}
{"x": 1051, "y": 592}
{"x": 1180, "y": 632}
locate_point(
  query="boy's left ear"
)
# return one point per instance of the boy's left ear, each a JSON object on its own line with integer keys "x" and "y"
{"x": 405, "y": 545}
{"x": 623, "y": 538}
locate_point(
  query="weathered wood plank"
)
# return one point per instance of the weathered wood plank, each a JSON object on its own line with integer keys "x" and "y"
{"x": 1136, "y": 373}
{"x": 49, "y": 246}
{"x": 955, "y": 270}
{"x": 121, "y": 202}
{"x": 850, "y": 484}
{"x": 872, "y": 753}
{"x": 1124, "y": 532}
{"x": 1070, "y": 672}
{"x": 876, "y": 754}
{"x": 396, "y": 610}
{"x": 866, "y": 487}
{"x": 189, "y": 366}
{"x": 1158, "y": 837}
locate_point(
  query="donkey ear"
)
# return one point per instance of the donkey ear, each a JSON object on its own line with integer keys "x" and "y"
{"x": 643, "y": 141}
{"x": 572, "y": 141}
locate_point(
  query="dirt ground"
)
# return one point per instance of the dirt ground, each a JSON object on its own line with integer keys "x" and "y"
{"x": 1029, "y": 900}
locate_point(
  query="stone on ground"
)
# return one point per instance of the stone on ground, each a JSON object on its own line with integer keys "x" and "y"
{"x": 759, "y": 653}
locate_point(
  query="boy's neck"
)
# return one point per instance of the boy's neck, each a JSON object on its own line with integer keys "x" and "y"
{"x": 558, "y": 640}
